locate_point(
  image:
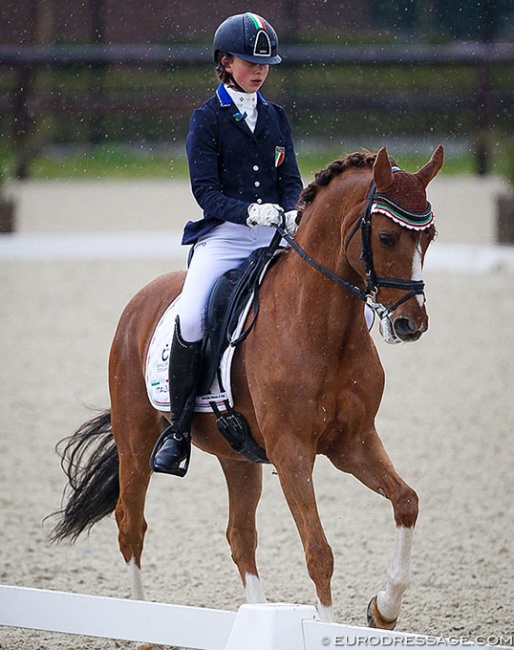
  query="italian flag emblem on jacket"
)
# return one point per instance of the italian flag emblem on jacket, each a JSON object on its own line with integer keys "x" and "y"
{"x": 280, "y": 154}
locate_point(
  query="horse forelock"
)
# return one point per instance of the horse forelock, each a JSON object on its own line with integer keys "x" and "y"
{"x": 363, "y": 159}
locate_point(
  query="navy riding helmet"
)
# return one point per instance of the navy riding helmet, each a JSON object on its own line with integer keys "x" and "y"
{"x": 249, "y": 37}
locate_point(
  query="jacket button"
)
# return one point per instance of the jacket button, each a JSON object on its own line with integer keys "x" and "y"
{"x": 256, "y": 168}
{"x": 259, "y": 200}
{"x": 257, "y": 183}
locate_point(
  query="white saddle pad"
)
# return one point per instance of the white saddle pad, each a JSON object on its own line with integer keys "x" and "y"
{"x": 157, "y": 362}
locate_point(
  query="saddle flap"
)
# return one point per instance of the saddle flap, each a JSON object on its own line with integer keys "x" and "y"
{"x": 231, "y": 294}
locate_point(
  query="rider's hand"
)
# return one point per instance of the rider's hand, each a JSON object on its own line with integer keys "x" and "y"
{"x": 264, "y": 214}
{"x": 290, "y": 224}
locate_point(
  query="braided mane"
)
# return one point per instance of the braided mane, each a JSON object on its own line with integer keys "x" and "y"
{"x": 359, "y": 159}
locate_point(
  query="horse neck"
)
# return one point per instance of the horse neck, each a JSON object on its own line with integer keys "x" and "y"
{"x": 329, "y": 219}
{"x": 325, "y": 226}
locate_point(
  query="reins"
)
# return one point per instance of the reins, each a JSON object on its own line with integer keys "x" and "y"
{"x": 319, "y": 267}
{"x": 373, "y": 282}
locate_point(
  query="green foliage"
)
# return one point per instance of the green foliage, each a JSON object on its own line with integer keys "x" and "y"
{"x": 117, "y": 162}
{"x": 145, "y": 133}
{"x": 114, "y": 162}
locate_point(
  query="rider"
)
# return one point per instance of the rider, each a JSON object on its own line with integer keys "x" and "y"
{"x": 245, "y": 177}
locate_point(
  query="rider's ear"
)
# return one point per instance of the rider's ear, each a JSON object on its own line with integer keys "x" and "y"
{"x": 382, "y": 172}
{"x": 226, "y": 62}
{"x": 428, "y": 171}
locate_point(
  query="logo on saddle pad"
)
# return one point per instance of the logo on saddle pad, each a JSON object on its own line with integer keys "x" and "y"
{"x": 157, "y": 369}
{"x": 230, "y": 423}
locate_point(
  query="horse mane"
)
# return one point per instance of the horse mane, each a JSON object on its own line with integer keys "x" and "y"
{"x": 358, "y": 159}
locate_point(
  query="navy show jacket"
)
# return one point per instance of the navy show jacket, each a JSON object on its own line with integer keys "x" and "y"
{"x": 230, "y": 167}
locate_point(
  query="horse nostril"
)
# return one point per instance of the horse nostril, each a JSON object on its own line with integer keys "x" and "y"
{"x": 405, "y": 328}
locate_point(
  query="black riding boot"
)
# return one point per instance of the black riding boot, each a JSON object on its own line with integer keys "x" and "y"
{"x": 172, "y": 451}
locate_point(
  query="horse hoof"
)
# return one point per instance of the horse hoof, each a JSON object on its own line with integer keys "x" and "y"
{"x": 375, "y": 618}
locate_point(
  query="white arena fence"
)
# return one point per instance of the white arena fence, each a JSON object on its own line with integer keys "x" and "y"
{"x": 454, "y": 257}
{"x": 274, "y": 626}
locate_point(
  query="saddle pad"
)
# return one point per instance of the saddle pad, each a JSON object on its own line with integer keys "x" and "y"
{"x": 157, "y": 362}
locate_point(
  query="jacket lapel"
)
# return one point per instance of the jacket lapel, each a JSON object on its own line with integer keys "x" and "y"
{"x": 262, "y": 114}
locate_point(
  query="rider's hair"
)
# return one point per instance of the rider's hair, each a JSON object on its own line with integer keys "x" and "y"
{"x": 222, "y": 75}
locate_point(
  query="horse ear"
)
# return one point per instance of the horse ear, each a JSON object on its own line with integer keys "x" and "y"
{"x": 382, "y": 172}
{"x": 428, "y": 171}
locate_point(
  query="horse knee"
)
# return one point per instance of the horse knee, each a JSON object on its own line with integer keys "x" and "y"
{"x": 406, "y": 508}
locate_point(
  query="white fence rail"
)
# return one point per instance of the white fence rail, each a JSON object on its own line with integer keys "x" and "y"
{"x": 254, "y": 627}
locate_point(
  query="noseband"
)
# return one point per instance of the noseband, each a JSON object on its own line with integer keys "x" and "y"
{"x": 373, "y": 282}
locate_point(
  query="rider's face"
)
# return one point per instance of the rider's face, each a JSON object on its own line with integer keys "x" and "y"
{"x": 250, "y": 76}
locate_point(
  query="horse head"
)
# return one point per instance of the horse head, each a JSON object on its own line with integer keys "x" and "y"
{"x": 397, "y": 227}
{"x": 402, "y": 229}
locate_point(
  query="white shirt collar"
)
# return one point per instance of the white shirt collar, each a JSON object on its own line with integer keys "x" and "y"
{"x": 244, "y": 101}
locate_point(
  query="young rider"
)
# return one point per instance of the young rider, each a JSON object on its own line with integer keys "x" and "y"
{"x": 245, "y": 177}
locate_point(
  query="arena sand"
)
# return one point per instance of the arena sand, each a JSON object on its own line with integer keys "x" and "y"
{"x": 446, "y": 421}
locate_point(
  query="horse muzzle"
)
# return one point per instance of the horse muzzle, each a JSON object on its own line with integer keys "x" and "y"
{"x": 402, "y": 328}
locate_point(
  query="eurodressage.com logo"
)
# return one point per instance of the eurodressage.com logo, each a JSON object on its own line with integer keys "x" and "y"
{"x": 414, "y": 641}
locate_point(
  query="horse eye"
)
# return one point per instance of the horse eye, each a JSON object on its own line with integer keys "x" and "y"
{"x": 387, "y": 239}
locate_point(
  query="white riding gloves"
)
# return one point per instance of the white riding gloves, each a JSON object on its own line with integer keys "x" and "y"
{"x": 264, "y": 214}
{"x": 290, "y": 224}
{"x": 271, "y": 214}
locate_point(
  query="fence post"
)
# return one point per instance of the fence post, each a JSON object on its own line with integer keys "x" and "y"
{"x": 22, "y": 120}
{"x": 483, "y": 118}
{"x": 98, "y": 72}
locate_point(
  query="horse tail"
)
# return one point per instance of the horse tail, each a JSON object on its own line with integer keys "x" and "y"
{"x": 89, "y": 458}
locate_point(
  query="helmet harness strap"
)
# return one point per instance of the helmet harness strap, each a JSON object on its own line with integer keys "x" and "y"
{"x": 221, "y": 68}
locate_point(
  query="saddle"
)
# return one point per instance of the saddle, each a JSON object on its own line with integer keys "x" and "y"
{"x": 231, "y": 294}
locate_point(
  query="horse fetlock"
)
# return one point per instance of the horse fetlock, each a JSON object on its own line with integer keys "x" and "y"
{"x": 325, "y": 612}
{"x": 253, "y": 589}
{"x": 389, "y": 601}
{"x": 398, "y": 580}
{"x": 136, "y": 580}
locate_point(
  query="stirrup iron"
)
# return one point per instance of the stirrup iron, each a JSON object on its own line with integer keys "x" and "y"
{"x": 180, "y": 468}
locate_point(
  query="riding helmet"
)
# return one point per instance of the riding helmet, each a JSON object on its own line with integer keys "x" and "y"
{"x": 249, "y": 37}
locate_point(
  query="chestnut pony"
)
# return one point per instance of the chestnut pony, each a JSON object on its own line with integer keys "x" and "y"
{"x": 307, "y": 379}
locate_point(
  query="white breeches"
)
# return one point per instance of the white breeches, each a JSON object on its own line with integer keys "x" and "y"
{"x": 220, "y": 250}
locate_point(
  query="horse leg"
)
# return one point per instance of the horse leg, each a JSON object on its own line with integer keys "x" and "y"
{"x": 244, "y": 483}
{"x": 294, "y": 467}
{"x": 368, "y": 461}
{"x": 384, "y": 608}
{"x": 135, "y": 429}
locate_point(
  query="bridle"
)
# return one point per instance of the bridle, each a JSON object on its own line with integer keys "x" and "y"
{"x": 373, "y": 282}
